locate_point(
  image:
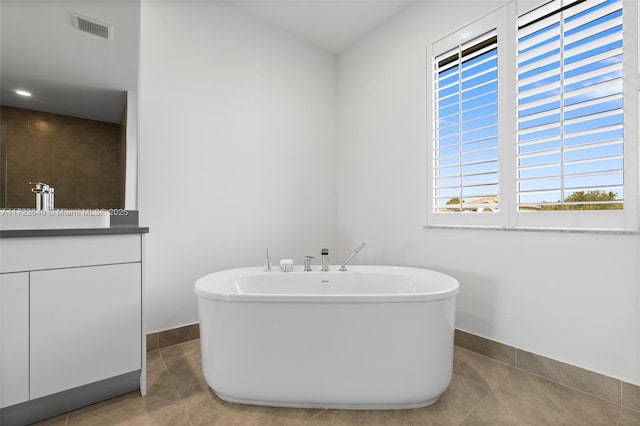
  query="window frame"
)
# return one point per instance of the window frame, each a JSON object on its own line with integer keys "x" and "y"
{"x": 484, "y": 25}
{"x": 504, "y": 21}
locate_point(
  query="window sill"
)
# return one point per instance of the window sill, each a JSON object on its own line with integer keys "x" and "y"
{"x": 556, "y": 230}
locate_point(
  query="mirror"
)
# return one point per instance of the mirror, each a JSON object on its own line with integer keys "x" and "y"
{"x": 77, "y": 129}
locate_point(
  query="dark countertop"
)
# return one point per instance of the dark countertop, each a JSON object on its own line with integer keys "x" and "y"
{"x": 120, "y": 224}
{"x": 112, "y": 230}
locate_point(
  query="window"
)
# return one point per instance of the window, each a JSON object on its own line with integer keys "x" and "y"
{"x": 534, "y": 119}
{"x": 570, "y": 107}
{"x": 466, "y": 127}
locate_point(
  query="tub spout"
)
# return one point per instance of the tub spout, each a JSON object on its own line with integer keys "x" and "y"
{"x": 325, "y": 259}
{"x": 267, "y": 262}
{"x": 343, "y": 266}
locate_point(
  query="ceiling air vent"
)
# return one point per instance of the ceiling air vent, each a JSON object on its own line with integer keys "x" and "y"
{"x": 92, "y": 26}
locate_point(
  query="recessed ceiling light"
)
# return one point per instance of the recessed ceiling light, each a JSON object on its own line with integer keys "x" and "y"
{"x": 23, "y": 92}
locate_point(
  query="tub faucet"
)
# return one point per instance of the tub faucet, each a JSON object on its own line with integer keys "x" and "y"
{"x": 267, "y": 262}
{"x": 343, "y": 267}
{"x": 44, "y": 196}
{"x": 307, "y": 263}
{"x": 325, "y": 259}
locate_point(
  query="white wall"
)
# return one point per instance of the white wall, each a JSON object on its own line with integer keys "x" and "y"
{"x": 237, "y": 140}
{"x": 572, "y": 297}
{"x": 237, "y": 151}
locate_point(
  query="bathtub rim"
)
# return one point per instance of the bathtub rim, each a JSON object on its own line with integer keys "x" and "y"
{"x": 206, "y": 293}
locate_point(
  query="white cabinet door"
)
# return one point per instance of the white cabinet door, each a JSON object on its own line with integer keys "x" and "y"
{"x": 14, "y": 338}
{"x": 85, "y": 326}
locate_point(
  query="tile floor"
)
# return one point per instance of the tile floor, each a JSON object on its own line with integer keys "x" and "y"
{"x": 483, "y": 392}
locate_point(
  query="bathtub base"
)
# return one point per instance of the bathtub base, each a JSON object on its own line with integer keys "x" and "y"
{"x": 329, "y": 406}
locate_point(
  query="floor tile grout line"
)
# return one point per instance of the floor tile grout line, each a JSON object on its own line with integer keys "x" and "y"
{"x": 619, "y": 416}
{"x": 301, "y": 410}
{"x": 572, "y": 388}
{"x": 164, "y": 363}
{"x": 478, "y": 405}
{"x": 307, "y": 415}
{"x": 318, "y": 413}
{"x": 504, "y": 379}
{"x": 635, "y": 410}
{"x": 173, "y": 382}
{"x": 315, "y": 420}
{"x": 492, "y": 389}
{"x": 474, "y": 408}
{"x": 490, "y": 393}
{"x": 173, "y": 385}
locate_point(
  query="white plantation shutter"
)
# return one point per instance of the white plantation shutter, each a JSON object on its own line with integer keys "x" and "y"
{"x": 465, "y": 127}
{"x": 533, "y": 116}
{"x": 570, "y": 136}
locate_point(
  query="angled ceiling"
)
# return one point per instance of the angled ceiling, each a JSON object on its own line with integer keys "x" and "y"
{"x": 333, "y": 25}
{"x": 68, "y": 72}
{"x": 73, "y": 73}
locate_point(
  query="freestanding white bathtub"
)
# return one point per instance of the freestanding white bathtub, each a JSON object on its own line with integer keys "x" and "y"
{"x": 375, "y": 337}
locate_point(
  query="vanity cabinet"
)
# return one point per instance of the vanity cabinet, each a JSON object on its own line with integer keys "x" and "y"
{"x": 14, "y": 332}
{"x": 85, "y": 326}
{"x": 71, "y": 322}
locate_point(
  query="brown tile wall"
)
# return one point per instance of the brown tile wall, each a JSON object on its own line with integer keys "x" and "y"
{"x": 82, "y": 159}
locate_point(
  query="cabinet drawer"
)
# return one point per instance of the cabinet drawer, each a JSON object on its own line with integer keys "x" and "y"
{"x": 85, "y": 326}
{"x": 30, "y": 254}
